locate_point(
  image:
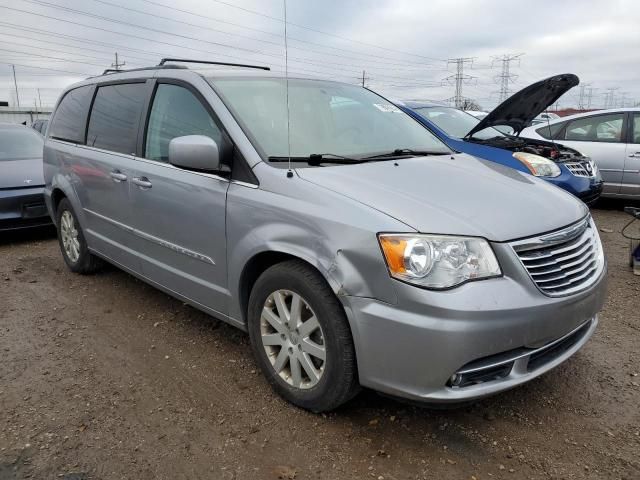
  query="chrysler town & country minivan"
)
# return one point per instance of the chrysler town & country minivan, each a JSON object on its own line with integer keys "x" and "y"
{"x": 352, "y": 245}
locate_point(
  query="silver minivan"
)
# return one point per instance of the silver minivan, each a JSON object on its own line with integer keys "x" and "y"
{"x": 352, "y": 245}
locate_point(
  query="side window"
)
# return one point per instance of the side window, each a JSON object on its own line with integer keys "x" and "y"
{"x": 635, "y": 134}
{"x": 176, "y": 112}
{"x": 115, "y": 116}
{"x": 599, "y": 128}
{"x": 69, "y": 120}
{"x": 550, "y": 131}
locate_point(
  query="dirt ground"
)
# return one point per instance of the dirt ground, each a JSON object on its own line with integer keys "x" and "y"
{"x": 104, "y": 377}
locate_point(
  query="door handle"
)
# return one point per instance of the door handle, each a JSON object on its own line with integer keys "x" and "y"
{"x": 142, "y": 182}
{"x": 635, "y": 155}
{"x": 118, "y": 176}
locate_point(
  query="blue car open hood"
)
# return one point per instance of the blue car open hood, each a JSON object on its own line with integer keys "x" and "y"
{"x": 518, "y": 110}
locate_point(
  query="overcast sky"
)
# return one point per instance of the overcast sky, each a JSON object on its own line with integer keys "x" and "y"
{"x": 403, "y": 45}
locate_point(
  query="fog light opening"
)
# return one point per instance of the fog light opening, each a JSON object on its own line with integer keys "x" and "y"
{"x": 455, "y": 380}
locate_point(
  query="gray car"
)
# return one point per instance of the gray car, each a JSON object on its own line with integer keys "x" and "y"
{"x": 21, "y": 181}
{"x": 609, "y": 137}
{"x": 352, "y": 245}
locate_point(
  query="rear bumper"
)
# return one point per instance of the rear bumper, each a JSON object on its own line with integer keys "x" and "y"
{"x": 23, "y": 208}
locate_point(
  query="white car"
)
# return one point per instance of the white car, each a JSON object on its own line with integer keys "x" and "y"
{"x": 610, "y": 137}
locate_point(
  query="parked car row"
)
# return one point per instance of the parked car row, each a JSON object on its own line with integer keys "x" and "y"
{"x": 356, "y": 246}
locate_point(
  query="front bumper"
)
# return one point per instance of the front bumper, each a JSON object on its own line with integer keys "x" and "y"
{"x": 23, "y": 208}
{"x": 414, "y": 349}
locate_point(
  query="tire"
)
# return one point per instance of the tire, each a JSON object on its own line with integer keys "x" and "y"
{"x": 334, "y": 379}
{"x": 78, "y": 257}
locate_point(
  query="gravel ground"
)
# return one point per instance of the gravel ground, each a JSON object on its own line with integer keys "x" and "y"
{"x": 104, "y": 377}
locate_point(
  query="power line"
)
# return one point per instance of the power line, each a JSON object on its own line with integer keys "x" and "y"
{"x": 351, "y": 70}
{"x": 188, "y": 37}
{"x": 279, "y": 44}
{"x": 325, "y": 33}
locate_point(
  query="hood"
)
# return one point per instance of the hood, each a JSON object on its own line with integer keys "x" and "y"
{"x": 21, "y": 173}
{"x": 454, "y": 194}
{"x": 521, "y": 108}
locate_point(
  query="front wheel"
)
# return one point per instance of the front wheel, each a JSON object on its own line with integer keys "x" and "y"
{"x": 301, "y": 338}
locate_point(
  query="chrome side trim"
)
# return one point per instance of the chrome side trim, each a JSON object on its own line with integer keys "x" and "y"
{"x": 154, "y": 239}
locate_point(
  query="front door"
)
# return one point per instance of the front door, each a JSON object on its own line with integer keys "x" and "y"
{"x": 179, "y": 215}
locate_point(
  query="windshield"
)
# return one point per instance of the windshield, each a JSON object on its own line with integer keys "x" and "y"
{"x": 456, "y": 123}
{"x": 325, "y": 118}
{"x": 20, "y": 143}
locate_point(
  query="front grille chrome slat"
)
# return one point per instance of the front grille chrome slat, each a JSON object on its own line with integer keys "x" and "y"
{"x": 563, "y": 262}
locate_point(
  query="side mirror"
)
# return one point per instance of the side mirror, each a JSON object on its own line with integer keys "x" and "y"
{"x": 196, "y": 152}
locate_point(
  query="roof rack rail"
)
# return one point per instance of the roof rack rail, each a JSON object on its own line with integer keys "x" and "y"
{"x": 155, "y": 67}
{"x": 187, "y": 60}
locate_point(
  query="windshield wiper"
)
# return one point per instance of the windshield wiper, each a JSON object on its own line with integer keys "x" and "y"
{"x": 406, "y": 152}
{"x": 317, "y": 158}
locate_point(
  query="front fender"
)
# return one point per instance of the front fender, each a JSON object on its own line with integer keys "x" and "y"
{"x": 338, "y": 239}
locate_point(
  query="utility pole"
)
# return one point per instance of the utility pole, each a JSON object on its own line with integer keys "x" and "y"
{"x": 506, "y": 77}
{"x": 39, "y": 99}
{"x": 364, "y": 78}
{"x": 15, "y": 83}
{"x": 117, "y": 65}
{"x": 459, "y": 79}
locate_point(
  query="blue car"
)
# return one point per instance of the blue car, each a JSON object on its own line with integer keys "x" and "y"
{"x": 557, "y": 164}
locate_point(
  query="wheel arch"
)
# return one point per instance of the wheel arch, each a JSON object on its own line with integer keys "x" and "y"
{"x": 260, "y": 262}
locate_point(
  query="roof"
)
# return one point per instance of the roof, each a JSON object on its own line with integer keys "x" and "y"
{"x": 591, "y": 113}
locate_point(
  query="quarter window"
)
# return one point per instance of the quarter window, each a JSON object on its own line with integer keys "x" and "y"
{"x": 635, "y": 135}
{"x": 69, "y": 120}
{"x": 600, "y": 128}
{"x": 113, "y": 124}
{"x": 176, "y": 112}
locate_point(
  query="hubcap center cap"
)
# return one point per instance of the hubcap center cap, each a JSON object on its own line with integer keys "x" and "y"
{"x": 294, "y": 338}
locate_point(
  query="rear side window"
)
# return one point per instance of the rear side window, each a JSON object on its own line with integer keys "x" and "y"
{"x": 69, "y": 120}
{"x": 600, "y": 128}
{"x": 176, "y": 112}
{"x": 115, "y": 116}
{"x": 550, "y": 131}
{"x": 635, "y": 137}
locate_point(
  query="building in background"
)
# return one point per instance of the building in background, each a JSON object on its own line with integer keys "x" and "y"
{"x": 25, "y": 115}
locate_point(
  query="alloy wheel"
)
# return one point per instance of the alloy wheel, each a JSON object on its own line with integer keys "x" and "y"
{"x": 69, "y": 235}
{"x": 293, "y": 339}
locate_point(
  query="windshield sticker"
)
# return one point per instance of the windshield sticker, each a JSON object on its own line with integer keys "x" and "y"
{"x": 387, "y": 108}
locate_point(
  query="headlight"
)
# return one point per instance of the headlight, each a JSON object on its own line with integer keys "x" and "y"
{"x": 438, "y": 261}
{"x": 537, "y": 165}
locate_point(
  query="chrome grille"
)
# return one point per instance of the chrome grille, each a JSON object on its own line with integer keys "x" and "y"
{"x": 565, "y": 261}
{"x": 581, "y": 169}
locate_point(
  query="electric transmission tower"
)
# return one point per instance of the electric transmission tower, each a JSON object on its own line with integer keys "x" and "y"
{"x": 590, "y": 96}
{"x": 609, "y": 97}
{"x": 459, "y": 79}
{"x": 506, "y": 77}
{"x": 585, "y": 96}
